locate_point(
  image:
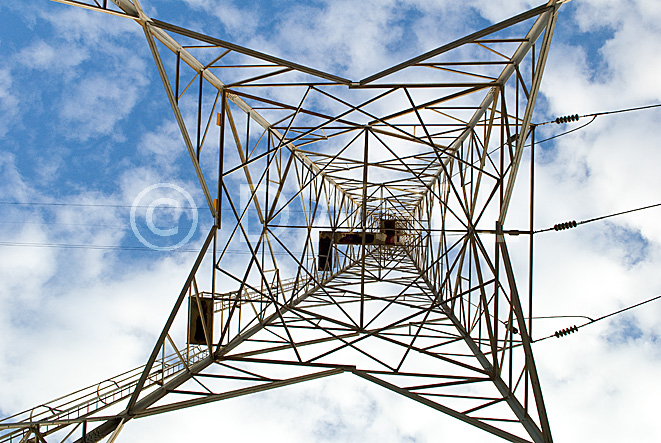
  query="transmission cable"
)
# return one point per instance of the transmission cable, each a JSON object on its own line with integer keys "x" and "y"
{"x": 85, "y": 205}
{"x": 574, "y": 328}
{"x": 107, "y": 205}
{"x": 123, "y": 248}
{"x": 574, "y": 223}
{"x": 575, "y": 117}
{"x": 594, "y": 115}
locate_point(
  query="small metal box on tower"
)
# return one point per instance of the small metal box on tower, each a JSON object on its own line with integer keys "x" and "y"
{"x": 198, "y": 323}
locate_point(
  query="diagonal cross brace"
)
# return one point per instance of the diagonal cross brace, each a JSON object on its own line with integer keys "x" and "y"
{"x": 533, "y": 430}
{"x": 545, "y": 21}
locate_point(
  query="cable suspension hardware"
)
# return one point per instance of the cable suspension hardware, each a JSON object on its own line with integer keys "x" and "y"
{"x": 567, "y": 119}
{"x": 567, "y": 225}
{"x": 566, "y": 331}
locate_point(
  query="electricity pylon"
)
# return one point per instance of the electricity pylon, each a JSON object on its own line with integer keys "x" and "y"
{"x": 359, "y": 226}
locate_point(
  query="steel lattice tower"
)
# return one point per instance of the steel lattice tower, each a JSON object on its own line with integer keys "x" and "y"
{"x": 435, "y": 315}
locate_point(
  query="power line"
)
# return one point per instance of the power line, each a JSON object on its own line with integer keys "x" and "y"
{"x": 92, "y": 205}
{"x": 574, "y": 328}
{"x": 95, "y": 225}
{"x": 566, "y": 132}
{"x": 618, "y": 111}
{"x": 594, "y": 116}
{"x": 105, "y": 205}
{"x": 123, "y": 248}
{"x": 86, "y": 246}
{"x": 574, "y": 223}
{"x": 620, "y": 213}
{"x": 576, "y": 117}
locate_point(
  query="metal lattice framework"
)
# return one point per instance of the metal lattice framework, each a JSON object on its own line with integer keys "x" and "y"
{"x": 284, "y": 152}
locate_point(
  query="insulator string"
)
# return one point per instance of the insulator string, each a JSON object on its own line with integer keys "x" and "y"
{"x": 574, "y": 223}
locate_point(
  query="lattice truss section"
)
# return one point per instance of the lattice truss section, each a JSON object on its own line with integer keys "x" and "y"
{"x": 283, "y": 153}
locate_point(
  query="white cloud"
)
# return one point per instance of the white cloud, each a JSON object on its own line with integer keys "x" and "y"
{"x": 89, "y": 27}
{"x": 237, "y": 21}
{"x": 9, "y": 102}
{"x": 110, "y": 99}
{"x": 164, "y": 145}
{"x": 25, "y": 271}
{"x": 497, "y": 11}
{"x": 43, "y": 56}
{"x": 13, "y": 186}
{"x": 91, "y": 105}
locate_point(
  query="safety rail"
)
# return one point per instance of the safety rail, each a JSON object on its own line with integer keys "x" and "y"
{"x": 85, "y": 402}
{"x": 222, "y": 301}
{"x": 73, "y": 408}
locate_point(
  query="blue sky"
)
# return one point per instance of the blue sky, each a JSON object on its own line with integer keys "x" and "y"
{"x": 84, "y": 120}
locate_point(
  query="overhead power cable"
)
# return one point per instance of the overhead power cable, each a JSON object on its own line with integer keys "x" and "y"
{"x": 594, "y": 115}
{"x": 94, "y": 225}
{"x": 566, "y": 132}
{"x": 85, "y": 205}
{"x": 575, "y": 117}
{"x": 122, "y": 248}
{"x": 574, "y": 328}
{"x": 574, "y": 223}
{"x": 107, "y": 205}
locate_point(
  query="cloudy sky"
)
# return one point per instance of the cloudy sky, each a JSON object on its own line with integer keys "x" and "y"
{"x": 85, "y": 128}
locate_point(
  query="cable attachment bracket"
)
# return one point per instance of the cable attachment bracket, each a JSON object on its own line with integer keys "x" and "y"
{"x": 566, "y": 331}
